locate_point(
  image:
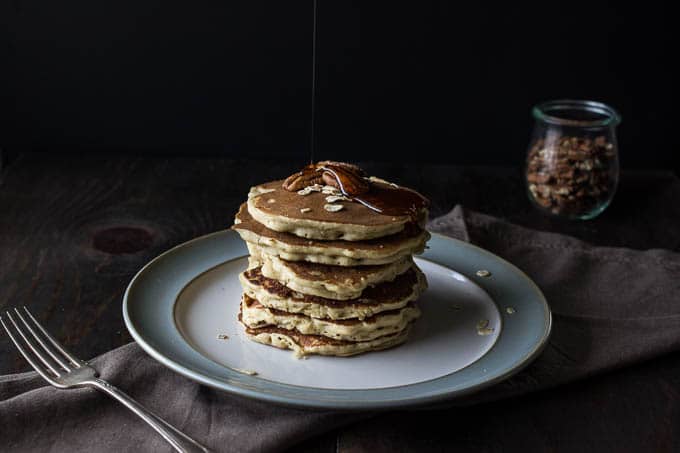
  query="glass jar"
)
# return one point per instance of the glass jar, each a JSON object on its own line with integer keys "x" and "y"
{"x": 572, "y": 166}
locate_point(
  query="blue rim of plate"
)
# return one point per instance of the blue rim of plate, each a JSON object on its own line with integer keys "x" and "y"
{"x": 148, "y": 311}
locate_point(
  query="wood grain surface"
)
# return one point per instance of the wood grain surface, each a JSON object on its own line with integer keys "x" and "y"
{"x": 73, "y": 231}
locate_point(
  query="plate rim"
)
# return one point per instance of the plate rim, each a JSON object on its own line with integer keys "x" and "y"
{"x": 363, "y": 403}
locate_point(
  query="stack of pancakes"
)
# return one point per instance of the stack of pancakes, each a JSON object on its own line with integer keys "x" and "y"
{"x": 327, "y": 274}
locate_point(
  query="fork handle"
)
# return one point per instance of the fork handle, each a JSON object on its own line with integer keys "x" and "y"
{"x": 180, "y": 441}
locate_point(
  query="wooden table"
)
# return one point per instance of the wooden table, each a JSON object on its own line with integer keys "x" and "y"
{"x": 73, "y": 231}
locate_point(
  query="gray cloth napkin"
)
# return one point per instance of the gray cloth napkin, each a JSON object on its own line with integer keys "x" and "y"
{"x": 611, "y": 306}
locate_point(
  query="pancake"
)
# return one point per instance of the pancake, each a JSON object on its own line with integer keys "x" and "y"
{"x": 281, "y": 210}
{"x": 304, "y": 345}
{"x": 255, "y": 315}
{"x": 386, "y": 296}
{"x": 289, "y": 247}
{"x": 332, "y": 282}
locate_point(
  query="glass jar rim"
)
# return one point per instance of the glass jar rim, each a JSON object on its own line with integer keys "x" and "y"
{"x": 550, "y": 113}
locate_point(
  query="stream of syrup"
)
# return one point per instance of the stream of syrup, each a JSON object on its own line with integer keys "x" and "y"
{"x": 312, "y": 127}
{"x": 382, "y": 198}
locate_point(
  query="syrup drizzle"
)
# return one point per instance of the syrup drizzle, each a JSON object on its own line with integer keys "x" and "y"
{"x": 395, "y": 201}
{"x": 349, "y": 184}
{"x": 312, "y": 125}
{"x": 379, "y": 197}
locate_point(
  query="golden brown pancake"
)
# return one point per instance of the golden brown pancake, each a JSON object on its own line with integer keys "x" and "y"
{"x": 256, "y": 315}
{"x": 383, "y": 297}
{"x": 303, "y": 344}
{"x": 333, "y": 282}
{"x": 287, "y": 246}
{"x": 305, "y": 215}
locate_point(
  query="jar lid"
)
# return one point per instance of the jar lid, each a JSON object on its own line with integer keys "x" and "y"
{"x": 578, "y": 113}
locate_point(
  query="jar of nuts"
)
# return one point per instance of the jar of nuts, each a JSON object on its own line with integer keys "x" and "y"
{"x": 572, "y": 167}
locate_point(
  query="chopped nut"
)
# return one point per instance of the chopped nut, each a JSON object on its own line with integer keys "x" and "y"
{"x": 538, "y": 177}
{"x": 330, "y": 190}
{"x": 571, "y": 175}
{"x": 333, "y": 207}
{"x": 336, "y": 198}
{"x": 350, "y": 178}
{"x": 309, "y": 176}
{"x": 337, "y": 174}
{"x": 309, "y": 189}
{"x": 483, "y": 328}
{"x": 543, "y": 190}
{"x": 585, "y": 165}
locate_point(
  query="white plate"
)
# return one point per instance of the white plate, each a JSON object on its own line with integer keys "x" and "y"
{"x": 179, "y": 304}
{"x": 452, "y": 307}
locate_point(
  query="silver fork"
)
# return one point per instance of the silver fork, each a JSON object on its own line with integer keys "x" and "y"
{"x": 63, "y": 370}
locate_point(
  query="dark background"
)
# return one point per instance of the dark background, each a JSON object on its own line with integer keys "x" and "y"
{"x": 432, "y": 81}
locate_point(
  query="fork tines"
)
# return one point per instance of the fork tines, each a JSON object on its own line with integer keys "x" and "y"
{"x": 38, "y": 347}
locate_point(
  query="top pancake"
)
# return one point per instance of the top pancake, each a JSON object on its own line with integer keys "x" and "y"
{"x": 281, "y": 210}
